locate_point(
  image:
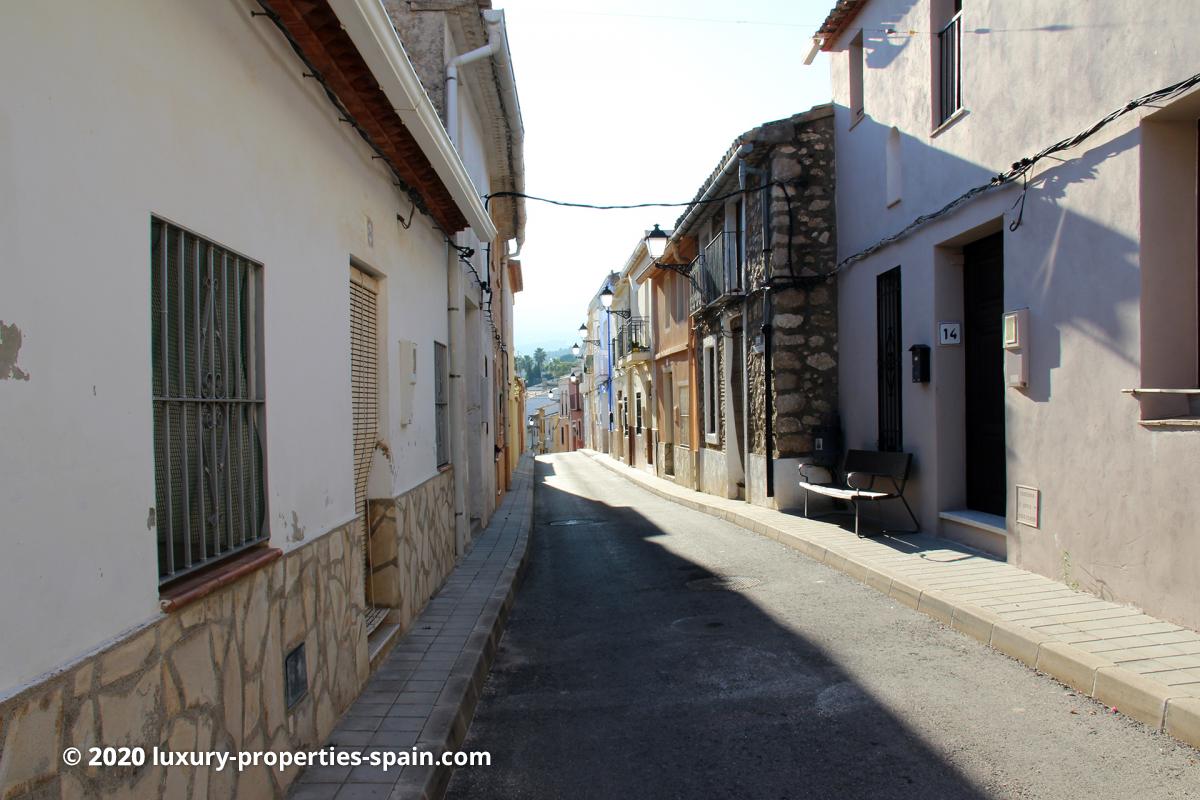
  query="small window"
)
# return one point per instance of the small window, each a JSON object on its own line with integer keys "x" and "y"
{"x": 206, "y": 356}
{"x": 637, "y": 405}
{"x": 712, "y": 393}
{"x": 441, "y": 403}
{"x": 856, "y": 69}
{"x": 947, "y": 54}
{"x": 894, "y": 174}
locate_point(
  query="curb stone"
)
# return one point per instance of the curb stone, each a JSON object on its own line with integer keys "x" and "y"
{"x": 1141, "y": 698}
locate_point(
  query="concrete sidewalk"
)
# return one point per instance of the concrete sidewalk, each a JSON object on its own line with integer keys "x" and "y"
{"x": 1145, "y": 668}
{"x": 424, "y": 694}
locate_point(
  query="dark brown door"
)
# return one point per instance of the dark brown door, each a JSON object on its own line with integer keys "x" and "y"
{"x": 983, "y": 309}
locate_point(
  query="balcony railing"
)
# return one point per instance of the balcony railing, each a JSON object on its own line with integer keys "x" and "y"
{"x": 633, "y": 337}
{"x": 950, "y": 69}
{"x": 717, "y": 271}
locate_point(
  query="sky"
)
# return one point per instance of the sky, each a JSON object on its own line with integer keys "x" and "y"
{"x": 628, "y": 101}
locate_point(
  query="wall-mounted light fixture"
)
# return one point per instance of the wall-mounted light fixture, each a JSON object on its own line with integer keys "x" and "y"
{"x": 606, "y": 300}
{"x": 656, "y": 246}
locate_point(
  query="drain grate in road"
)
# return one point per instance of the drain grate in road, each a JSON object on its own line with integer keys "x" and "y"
{"x": 574, "y": 521}
{"x": 723, "y": 583}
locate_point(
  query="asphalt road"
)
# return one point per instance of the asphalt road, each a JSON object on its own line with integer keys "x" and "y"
{"x": 624, "y": 674}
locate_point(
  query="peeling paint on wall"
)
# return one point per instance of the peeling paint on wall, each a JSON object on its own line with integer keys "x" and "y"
{"x": 297, "y": 528}
{"x": 151, "y": 519}
{"x": 10, "y": 346}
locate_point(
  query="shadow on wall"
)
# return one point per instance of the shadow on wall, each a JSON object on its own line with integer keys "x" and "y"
{"x": 628, "y": 683}
{"x": 885, "y": 40}
{"x": 1072, "y": 271}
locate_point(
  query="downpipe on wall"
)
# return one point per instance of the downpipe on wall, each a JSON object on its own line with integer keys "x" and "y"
{"x": 456, "y": 334}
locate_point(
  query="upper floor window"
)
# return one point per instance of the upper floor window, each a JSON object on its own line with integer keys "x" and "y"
{"x": 947, "y": 54}
{"x": 855, "y": 54}
{"x": 206, "y": 357}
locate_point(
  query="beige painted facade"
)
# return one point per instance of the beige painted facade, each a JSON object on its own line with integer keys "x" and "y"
{"x": 1100, "y": 258}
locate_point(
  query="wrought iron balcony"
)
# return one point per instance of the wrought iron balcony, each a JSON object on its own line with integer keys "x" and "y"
{"x": 632, "y": 338}
{"x": 717, "y": 272}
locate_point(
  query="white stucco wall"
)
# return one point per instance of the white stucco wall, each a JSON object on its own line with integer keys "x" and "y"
{"x": 1116, "y": 518}
{"x": 121, "y": 117}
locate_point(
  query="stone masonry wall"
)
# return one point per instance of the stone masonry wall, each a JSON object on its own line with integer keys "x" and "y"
{"x": 207, "y": 677}
{"x": 798, "y": 151}
{"x": 412, "y": 546}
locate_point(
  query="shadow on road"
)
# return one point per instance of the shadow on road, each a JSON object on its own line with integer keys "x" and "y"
{"x": 629, "y": 671}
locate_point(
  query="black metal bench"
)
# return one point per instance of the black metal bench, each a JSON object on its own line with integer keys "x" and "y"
{"x": 871, "y": 476}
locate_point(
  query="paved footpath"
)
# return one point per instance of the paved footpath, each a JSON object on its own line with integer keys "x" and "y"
{"x": 656, "y": 651}
{"x": 425, "y": 692}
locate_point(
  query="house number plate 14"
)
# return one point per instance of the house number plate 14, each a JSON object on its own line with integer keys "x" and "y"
{"x": 949, "y": 333}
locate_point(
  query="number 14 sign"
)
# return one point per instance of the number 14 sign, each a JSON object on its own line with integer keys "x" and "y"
{"x": 949, "y": 333}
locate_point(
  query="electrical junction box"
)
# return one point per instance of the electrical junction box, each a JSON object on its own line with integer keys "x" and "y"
{"x": 408, "y": 379}
{"x": 1016, "y": 348}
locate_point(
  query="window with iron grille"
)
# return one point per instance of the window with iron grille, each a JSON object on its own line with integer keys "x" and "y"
{"x": 948, "y": 67}
{"x": 206, "y": 339}
{"x": 441, "y": 403}
{"x": 638, "y": 410}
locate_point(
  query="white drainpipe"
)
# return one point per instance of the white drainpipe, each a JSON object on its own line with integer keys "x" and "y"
{"x": 489, "y": 49}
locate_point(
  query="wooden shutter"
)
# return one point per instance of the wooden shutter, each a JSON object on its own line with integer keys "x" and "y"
{"x": 364, "y": 388}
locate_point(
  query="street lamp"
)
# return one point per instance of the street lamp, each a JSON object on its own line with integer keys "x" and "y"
{"x": 574, "y": 378}
{"x": 606, "y": 300}
{"x": 656, "y": 244}
{"x": 575, "y": 350}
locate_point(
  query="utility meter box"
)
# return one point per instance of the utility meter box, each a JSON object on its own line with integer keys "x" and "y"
{"x": 1016, "y": 348}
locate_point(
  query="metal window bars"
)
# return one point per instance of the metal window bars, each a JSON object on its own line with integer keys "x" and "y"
{"x": 950, "y": 68}
{"x": 633, "y": 337}
{"x": 207, "y": 400}
{"x": 717, "y": 271}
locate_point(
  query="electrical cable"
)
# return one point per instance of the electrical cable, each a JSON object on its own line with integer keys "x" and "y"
{"x": 1021, "y": 168}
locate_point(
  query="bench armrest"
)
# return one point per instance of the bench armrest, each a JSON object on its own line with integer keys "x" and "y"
{"x": 863, "y": 481}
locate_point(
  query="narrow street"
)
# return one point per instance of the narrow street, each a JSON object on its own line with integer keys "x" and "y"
{"x": 624, "y": 672}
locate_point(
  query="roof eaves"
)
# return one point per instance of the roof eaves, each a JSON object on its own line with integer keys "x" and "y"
{"x": 840, "y": 17}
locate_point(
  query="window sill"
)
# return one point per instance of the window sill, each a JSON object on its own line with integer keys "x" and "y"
{"x": 1177, "y": 422}
{"x": 951, "y": 120}
{"x": 197, "y": 587}
{"x": 1168, "y": 408}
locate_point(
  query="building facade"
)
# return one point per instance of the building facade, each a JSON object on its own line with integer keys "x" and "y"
{"x": 271, "y": 472}
{"x": 760, "y": 245}
{"x": 596, "y": 341}
{"x": 1058, "y": 317}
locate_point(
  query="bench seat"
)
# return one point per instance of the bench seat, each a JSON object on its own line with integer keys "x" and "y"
{"x": 865, "y": 470}
{"x": 843, "y": 494}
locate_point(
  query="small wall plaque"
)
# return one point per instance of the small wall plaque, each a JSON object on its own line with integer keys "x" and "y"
{"x": 949, "y": 333}
{"x": 1029, "y": 502}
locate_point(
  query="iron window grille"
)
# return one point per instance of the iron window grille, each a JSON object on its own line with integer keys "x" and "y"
{"x": 206, "y": 340}
{"x": 950, "y": 69}
{"x": 441, "y": 403}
